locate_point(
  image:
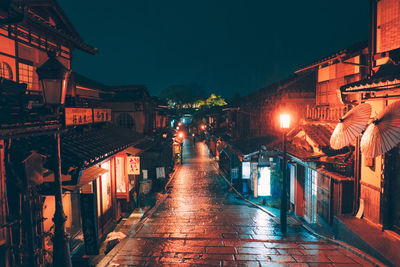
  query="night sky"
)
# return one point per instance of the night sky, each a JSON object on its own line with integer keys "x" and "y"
{"x": 225, "y": 46}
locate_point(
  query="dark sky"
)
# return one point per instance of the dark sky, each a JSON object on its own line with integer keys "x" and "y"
{"x": 225, "y": 46}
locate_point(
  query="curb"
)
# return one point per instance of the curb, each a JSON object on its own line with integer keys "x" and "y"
{"x": 341, "y": 244}
{"x": 110, "y": 255}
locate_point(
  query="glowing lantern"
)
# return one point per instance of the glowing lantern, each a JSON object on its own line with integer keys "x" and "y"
{"x": 285, "y": 121}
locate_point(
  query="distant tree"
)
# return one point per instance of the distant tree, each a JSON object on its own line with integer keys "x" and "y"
{"x": 183, "y": 95}
{"x": 215, "y": 100}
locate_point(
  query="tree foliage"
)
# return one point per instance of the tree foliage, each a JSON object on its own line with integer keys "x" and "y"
{"x": 183, "y": 94}
{"x": 190, "y": 96}
{"x": 215, "y": 100}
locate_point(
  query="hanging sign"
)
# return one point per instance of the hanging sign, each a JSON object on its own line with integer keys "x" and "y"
{"x": 264, "y": 181}
{"x": 246, "y": 169}
{"x": 78, "y": 116}
{"x": 133, "y": 165}
{"x": 101, "y": 114}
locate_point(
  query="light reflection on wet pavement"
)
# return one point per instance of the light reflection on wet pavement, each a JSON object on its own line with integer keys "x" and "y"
{"x": 201, "y": 224}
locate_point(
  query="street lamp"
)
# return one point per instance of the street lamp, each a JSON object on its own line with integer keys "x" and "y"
{"x": 53, "y": 77}
{"x": 285, "y": 124}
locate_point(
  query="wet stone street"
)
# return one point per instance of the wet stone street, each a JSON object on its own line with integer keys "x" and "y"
{"x": 199, "y": 222}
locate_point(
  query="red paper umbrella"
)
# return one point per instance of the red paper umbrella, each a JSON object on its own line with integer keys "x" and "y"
{"x": 383, "y": 133}
{"x": 350, "y": 126}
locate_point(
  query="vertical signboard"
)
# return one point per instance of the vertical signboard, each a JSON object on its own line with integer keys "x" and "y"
{"x": 133, "y": 165}
{"x": 264, "y": 181}
{"x": 254, "y": 179}
{"x": 246, "y": 169}
{"x": 89, "y": 223}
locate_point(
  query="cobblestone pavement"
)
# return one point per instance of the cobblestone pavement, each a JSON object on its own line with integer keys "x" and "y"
{"x": 201, "y": 224}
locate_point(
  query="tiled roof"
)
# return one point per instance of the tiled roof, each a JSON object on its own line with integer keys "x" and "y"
{"x": 81, "y": 150}
{"x": 84, "y": 81}
{"x": 387, "y": 75}
{"x": 294, "y": 150}
{"x": 252, "y": 145}
{"x": 84, "y": 149}
{"x": 319, "y": 133}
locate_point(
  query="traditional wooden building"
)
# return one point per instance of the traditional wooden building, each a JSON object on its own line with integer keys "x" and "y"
{"x": 27, "y": 33}
{"x": 379, "y": 180}
{"x": 257, "y": 114}
{"x": 327, "y": 181}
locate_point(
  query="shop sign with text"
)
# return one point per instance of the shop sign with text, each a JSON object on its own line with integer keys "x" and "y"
{"x": 134, "y": 165}
{"x": 78, "y": 116}
{"x": 101, "y": 114}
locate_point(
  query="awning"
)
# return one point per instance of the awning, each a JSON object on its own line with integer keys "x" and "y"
{"x": 387, "y": 77}
{"x": 133, "y": 151}
{"x": 87, "y": 176}
{"x": 144, "y": 145}
{"x": 80, "y": 150}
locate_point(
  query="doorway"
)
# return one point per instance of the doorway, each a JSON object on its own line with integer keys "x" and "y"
{"x": 299, "y": 190}
{"x": 391, "y": 200}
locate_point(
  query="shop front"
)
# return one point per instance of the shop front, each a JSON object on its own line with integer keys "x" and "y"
{"x": 95, "y": 177}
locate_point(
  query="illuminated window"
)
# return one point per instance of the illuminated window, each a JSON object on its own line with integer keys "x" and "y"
{"x": 120, "y": 175}
{"x": 106, "y": 187}
{"x": 26, "y": 75}
{"x": 5, "y": 71}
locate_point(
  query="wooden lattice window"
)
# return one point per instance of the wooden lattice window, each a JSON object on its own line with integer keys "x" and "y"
{"x": 5, "y": 71}
{"x": 26, "y": 75}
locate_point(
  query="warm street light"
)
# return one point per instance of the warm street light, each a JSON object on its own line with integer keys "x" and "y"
{"x": 180, "y": 135}
{"x": 285, "y": 121}
{"x": 285, "y": 124}
{"x": 53, "y": 76}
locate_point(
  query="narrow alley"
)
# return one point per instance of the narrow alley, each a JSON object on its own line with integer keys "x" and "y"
{"x": 201, "y": 223}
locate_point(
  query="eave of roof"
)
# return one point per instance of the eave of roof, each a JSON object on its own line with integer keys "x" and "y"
{"x": 73, "y": 36}
{"x": 387, "y": 77}
{"x": 84, "y": 81}
{"x": 346, "y": 53}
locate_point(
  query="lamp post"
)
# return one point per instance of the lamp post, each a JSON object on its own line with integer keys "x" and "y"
{"x": 53, "y": 77}
{"x": 285, "y": 124}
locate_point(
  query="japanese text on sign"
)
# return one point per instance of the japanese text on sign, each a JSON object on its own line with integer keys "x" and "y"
{"x": 77, "y": 116}
{"x": 100, "y": 115}
{"x": 134, "y": 165}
